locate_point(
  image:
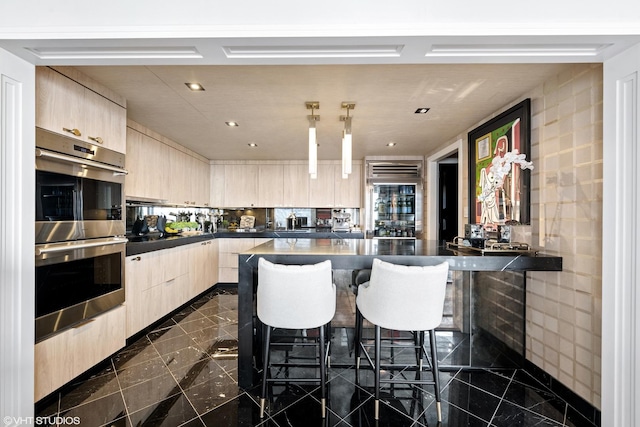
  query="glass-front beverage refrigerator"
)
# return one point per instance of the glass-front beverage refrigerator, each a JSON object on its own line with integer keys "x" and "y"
{"x": 394, "y": 203}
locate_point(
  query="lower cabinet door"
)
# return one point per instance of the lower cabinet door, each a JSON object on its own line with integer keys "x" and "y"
{"x": 64, "y": 356}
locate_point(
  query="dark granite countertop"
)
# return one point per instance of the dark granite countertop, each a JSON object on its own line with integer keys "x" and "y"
{"x": 355, "y": 253}
{"x": 154, "y": 242}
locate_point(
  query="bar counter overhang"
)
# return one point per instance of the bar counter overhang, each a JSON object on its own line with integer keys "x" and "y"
{"x": 351, "y": 254}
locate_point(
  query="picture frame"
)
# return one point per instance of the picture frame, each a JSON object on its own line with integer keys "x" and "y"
{"x": 510, "y": 203}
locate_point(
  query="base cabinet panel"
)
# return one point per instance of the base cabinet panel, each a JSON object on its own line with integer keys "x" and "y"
{"x": 228, "y": 256}
{"x": 68, "y": 354}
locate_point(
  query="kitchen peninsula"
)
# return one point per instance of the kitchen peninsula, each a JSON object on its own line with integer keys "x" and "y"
{"x": 487, "y": 322}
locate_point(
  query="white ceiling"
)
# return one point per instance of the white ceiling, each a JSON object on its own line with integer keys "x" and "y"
{"x": 268, "y": 102}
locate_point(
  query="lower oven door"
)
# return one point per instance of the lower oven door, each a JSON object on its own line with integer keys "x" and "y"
{"x": 77, "y": 280}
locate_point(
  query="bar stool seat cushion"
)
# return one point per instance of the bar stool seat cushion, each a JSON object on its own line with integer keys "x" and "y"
{"x": 295, "y": 296}
{"x": 400, "y": 297}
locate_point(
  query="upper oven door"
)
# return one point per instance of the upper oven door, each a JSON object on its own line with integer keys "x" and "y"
{"x": 77, "y": 198}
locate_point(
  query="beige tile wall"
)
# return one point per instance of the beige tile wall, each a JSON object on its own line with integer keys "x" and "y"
{"x": 564, "y": 309}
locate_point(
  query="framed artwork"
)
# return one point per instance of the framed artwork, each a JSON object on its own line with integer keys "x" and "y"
{"x": 493, "y": 200}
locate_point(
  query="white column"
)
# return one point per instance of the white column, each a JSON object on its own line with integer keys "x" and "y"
{"x": 17, "y": 213}
{"x": 620, "y": 235}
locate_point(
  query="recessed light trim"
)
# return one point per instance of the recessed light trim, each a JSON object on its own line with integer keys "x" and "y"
{"x": 252, "y": 144}
{"x": 391, "y": 144}
{"x": 422, "y": 110}
{"x": 195, "y": 87}
{"x": 232, "y": 124}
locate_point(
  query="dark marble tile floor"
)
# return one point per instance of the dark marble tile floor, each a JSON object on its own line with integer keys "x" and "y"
{"x": 184, "y": 373}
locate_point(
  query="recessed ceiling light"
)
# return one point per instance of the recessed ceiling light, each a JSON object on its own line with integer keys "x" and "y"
{"x": 195, "y": 86}
{"x": 252, "y": 144}
{"x": 391, "y": 144}
{"x": 232, "y": 124}
{"x": 422, "y": 110}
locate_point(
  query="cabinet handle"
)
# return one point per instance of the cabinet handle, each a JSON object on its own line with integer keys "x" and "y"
{"x": 96, "y": 139}
{"x": 80, "y": 325}
{"x": 76, "y": 132}
{"x": 136, "y": 259}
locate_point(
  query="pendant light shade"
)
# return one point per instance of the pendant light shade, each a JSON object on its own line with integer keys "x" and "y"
{"x": 347, "y": 141}
{"x": 313, "y": 149}
{"x": 313, "y": 139}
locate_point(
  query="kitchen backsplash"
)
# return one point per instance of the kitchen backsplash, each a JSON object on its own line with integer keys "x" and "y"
{"x": 265, "y": 218}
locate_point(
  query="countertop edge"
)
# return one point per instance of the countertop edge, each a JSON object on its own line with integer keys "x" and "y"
{"x": 137, "y": 248}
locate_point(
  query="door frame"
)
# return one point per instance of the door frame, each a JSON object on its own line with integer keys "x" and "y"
{"x": 432, "y": 185}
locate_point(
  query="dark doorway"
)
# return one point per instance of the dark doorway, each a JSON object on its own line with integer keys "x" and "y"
{"x": 448, "y": 199}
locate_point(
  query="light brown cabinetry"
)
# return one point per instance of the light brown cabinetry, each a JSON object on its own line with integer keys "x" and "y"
{"x": 331, "y": 190}
{"x": 159, "y": 282}
{"x": 229, "y": 249}
{"x": 146, "y": 178}
{"x": 156, "y": 283}
{"x": 348, "y": 192}
{"x": 270, "y": 185}
{"x": 68, "y": 354}
{"x": 203, "y": 262}
{"x": 217, "y": 185}
{"x": 296, "y": 185}
{"x": 160, "y": 169}
{"x": 241, "y": 185}
{"x": 69, "y": 103}
{"x": 285, "y": 184}
{"x": 321, "y": 189}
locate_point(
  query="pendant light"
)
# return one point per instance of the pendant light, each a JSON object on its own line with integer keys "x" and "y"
{"x": 313, "y": 144}
{"x": 347, "y": 140}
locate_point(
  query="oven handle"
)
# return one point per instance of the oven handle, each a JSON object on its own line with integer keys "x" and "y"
{"x": 66, "y": 247}
{"x": 50, "y": 154}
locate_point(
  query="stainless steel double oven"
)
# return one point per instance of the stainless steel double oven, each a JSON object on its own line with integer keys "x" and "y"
{"x": 80, "y": 227}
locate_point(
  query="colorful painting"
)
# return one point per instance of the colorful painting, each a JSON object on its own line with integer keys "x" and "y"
{"x": 495, "y": 200}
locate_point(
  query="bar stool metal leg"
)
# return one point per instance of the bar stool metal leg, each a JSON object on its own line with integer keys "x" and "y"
{"x": 434, "y": 366}
{"x": 265, "y": 369}
{"x": 376, "y": 407}
{"x": 323, "y": 372}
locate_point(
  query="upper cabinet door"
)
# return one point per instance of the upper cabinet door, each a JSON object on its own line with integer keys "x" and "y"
{"x": 217, "y": 187}
{"x": 321, "y": 189}
{"x": 59, "y": 103}
{"x": 144, "y": 156}
{"x": 348, "y": 192}
{"x": 65, "y": 106}
{"x": 241, "y": 186}
{"x": 270, "y": 185}
{"x": 296, "y": 186}
{"x": 106, "y": 122}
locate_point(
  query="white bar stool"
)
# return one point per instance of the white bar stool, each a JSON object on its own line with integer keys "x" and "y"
{"x": 402, "y": 298}
{"x": 295, "y": 297}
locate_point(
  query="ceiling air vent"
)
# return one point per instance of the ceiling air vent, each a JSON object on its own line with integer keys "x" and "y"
{"x": 394, "y": 171}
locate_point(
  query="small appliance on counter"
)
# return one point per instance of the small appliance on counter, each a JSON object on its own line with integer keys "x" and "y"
{"x": 341, "y": 220}
{"x": 492, "y": 238}
{"x": 247, "y": 222}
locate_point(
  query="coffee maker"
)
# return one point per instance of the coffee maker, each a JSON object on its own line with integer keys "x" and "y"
{"x": 340, "y": 220}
